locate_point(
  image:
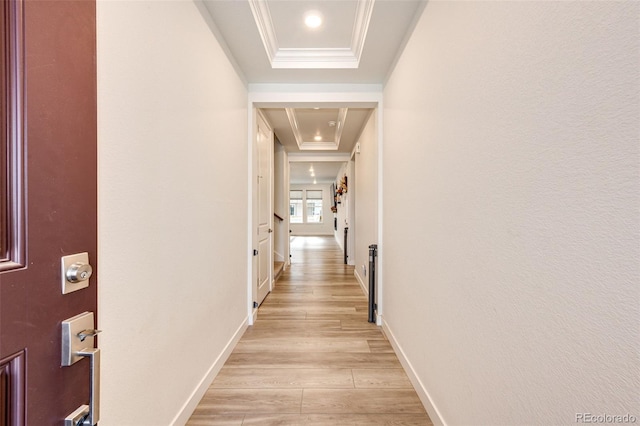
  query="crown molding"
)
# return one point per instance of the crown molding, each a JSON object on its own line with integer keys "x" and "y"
{"x": 308, "y": 58}
{"x": 314, "y": 58}
{"x": 361, "y": 26}
{"x": 342, "y": 116}
{"x": 314, "y": 145}
{"x": 303, "y": 157}
{"x": 262, "y": 16}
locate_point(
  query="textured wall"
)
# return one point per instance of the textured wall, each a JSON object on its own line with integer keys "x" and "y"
{"x": 512, "y": 209}
{"x": 172, "y": 206}
{"x": 366, "y": 194}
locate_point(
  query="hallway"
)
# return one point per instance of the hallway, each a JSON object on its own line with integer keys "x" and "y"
{"x": 312, "y": 358}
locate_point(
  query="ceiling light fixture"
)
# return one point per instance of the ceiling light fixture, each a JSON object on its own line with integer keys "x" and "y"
{"x": 314, "y": 182}
{"x": 313, "y": 19}
{"x": 317, "y": 138}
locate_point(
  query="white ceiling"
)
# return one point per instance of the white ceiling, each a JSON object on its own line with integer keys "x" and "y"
{"x": 256, "y": 31}
{"x": 324, "y": 172}
{"x": 357, "y": 43}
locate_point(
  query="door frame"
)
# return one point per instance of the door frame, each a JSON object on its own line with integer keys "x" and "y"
{"x": 261, "y": 120}
{"x": 297, "y": 96}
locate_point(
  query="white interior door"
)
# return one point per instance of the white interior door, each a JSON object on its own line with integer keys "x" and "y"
{"x": 265, "y": 210}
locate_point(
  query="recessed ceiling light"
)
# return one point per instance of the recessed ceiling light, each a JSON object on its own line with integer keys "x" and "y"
{"x": 316, "y": 108}
{"x": 317, "y": 138}
{"x": 313, "y": 174}
{"x": 314, "y": 182}
{"x": 313, "y": 19}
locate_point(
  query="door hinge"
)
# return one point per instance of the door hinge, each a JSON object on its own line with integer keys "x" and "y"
{"x": 255, "y": 304}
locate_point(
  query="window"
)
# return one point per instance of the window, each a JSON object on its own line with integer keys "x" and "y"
{"x": 305, "y": 206}
{"x": 295, "y": 206}
{"x": 314, "y": 206}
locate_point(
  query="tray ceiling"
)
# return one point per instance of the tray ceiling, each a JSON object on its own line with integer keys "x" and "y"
{"x": 357, "y": 42}
{"x": 309, "y": 124}
{"x": 290, "y": 43}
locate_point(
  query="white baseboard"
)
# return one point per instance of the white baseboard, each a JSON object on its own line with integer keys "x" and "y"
{"x": 194, "y": 399}
{"x": 423, "y": 394}
{"x": 365, "y": 287}
{"x": 278, "y": 256}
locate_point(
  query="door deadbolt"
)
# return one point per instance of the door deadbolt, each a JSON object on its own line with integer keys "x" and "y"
{"x": 79, "y": 272}
{"x": 75, "y": 271}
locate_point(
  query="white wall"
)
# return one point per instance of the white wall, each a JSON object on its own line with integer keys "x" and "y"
{"x": 324, "y": 228}
{"x": 172, "y": 117}
{"x": 351, "y": 212}
{"x": 366, "y": 193}
{"x": 512, "y": 211}
{"x": 345, "y": 214}
{"x": 341, "y": 214}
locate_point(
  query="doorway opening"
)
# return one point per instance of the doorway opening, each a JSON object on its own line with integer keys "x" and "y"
{"x": 303, "y": 209}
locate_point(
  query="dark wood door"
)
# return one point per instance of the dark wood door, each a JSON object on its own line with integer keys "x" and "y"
{"x": 48, "y": 201}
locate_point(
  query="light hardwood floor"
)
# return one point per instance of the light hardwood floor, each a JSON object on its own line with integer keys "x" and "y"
{"x": 312, "y": 358}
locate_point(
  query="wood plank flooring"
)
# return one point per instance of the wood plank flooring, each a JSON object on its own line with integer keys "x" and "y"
{"x": 312, "y": 358}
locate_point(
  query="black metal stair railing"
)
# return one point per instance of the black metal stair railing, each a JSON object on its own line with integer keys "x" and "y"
{"x": 373, "y": 254}
{"x": 346, "y": 233}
